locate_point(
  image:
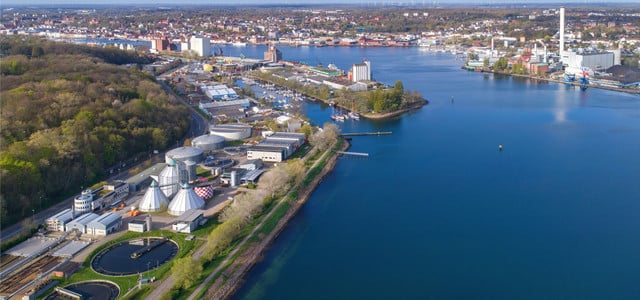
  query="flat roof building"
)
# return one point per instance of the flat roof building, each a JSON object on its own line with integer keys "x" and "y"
{"x": 189, "y": 221}
{"x": 269, "y": 154}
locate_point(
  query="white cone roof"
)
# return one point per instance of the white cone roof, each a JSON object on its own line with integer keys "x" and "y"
{"x": 168, "y": 179}
{"x": 184, "y": 200}
{"x": 154, "y": 200}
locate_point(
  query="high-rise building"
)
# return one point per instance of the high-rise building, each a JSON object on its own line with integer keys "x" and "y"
{"x": 161, "y": 44}
{"x": 272, "y": 54}
{"x": 200, "y": 45}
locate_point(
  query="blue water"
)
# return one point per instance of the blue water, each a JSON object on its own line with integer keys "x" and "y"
{"x": 437, "y": 212}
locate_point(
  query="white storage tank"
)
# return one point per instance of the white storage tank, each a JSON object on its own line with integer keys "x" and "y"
{"x": 208, "y": 142}
{"x": 169, "y": 180}
{"x": 183, "y": 154}
{"x": 231, "y": 132}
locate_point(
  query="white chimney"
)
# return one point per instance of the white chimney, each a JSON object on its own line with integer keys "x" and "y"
{"x": 561, "y": 31}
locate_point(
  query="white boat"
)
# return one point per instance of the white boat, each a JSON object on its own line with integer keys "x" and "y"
{"x": 354, "y": 115}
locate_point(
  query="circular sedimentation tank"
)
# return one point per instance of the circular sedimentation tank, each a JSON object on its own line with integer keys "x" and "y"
{"x": 95, "y": 290}
{"x": 134, "y": 256}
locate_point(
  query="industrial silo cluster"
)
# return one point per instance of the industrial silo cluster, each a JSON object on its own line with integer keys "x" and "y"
{"x": 172, "y": 184}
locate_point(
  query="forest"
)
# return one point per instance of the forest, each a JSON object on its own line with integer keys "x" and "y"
{"x": 70, "y": 113}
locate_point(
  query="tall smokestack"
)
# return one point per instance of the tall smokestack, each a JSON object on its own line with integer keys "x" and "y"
{"x": 561, "y": 30}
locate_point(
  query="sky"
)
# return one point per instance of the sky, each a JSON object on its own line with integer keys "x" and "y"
{"x": 8, "y": 3}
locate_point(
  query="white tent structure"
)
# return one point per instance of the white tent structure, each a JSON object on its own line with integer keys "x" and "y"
{"x": 185, "y": 200}
{"x": 154, "y": 199}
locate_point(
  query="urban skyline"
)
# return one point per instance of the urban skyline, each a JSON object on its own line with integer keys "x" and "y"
{"x": 9, "y": 3}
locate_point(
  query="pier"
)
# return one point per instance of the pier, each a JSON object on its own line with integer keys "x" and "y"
{"x": 353, "y": 153}
{"x": 366, "y": 133}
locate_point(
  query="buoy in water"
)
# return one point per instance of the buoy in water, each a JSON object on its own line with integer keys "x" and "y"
{"x": 500, "y": 147}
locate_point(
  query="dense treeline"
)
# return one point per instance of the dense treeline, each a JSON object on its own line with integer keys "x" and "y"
{"x": 68, "y": 116}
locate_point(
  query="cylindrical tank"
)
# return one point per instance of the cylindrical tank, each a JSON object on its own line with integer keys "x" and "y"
{"x": 208, "y": 142}
{"x": 183, "y": 154}
{"x": 233, "y": 179}
{"x": 231, "y": 132}
{"x": 168, "y": 179}
{"x": 190, "y": 167}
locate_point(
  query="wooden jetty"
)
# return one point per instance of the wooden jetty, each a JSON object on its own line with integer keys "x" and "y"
{"x": 366, "y": 133}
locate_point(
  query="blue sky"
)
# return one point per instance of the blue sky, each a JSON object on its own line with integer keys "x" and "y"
{"x": 7, "y": 3}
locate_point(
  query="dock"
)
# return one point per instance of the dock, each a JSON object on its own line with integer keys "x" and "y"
{"x": 366, "y": 133}
{"x": 353, "y": 153}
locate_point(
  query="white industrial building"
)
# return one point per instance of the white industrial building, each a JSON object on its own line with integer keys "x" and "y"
{"x": 269, "y": 154}
{"x": 137, "y": 226}
{"x": 581, "y": 60}
{"x": 189, "y": 221}
{"x": 84, "y": 203}
{"x": 231, "y": 132}
{"x": 361, "y": 71}
{"x": 219, "y": 92}
{"x": 105, "y": 224}
{"x": 200, "y": 45}
{"x": 277, "y": 147}
{"x": 80, "y": 223}
{"x": 58, "y": 221}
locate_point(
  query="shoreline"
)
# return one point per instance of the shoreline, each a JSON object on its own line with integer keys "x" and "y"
{"x": 610, "y": 88}
{"x": 252, "y": 255}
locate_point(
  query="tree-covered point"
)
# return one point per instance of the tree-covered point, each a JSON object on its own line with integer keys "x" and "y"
{"x": 68, "y": 117}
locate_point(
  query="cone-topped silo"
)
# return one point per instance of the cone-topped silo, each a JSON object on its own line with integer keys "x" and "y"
{"x": 154, "y": 199}
{"x": 184, "y": 200}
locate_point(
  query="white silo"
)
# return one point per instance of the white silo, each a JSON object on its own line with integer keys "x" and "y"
{"x": 184, "y": 200}
{"x": 168, "y": 179}
{"x": 154, "y": 199}
{"x": 233, "y": 181}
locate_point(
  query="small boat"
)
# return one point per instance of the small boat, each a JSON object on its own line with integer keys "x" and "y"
{"x": 354, "y": 115}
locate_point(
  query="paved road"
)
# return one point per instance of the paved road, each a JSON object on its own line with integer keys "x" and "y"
{"x": 199, "y": 126}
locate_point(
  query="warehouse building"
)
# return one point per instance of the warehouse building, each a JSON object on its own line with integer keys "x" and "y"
{"x": 58, "y": 221}
{"x": 80, "y": 223}
{"x": 269, "y": 154}
{"x": 105, "y": 224}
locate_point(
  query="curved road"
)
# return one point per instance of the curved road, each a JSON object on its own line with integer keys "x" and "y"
{"x": 199, "y": 126}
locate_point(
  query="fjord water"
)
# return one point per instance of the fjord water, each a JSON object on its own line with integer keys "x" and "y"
{"x": 437, "y": 212}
